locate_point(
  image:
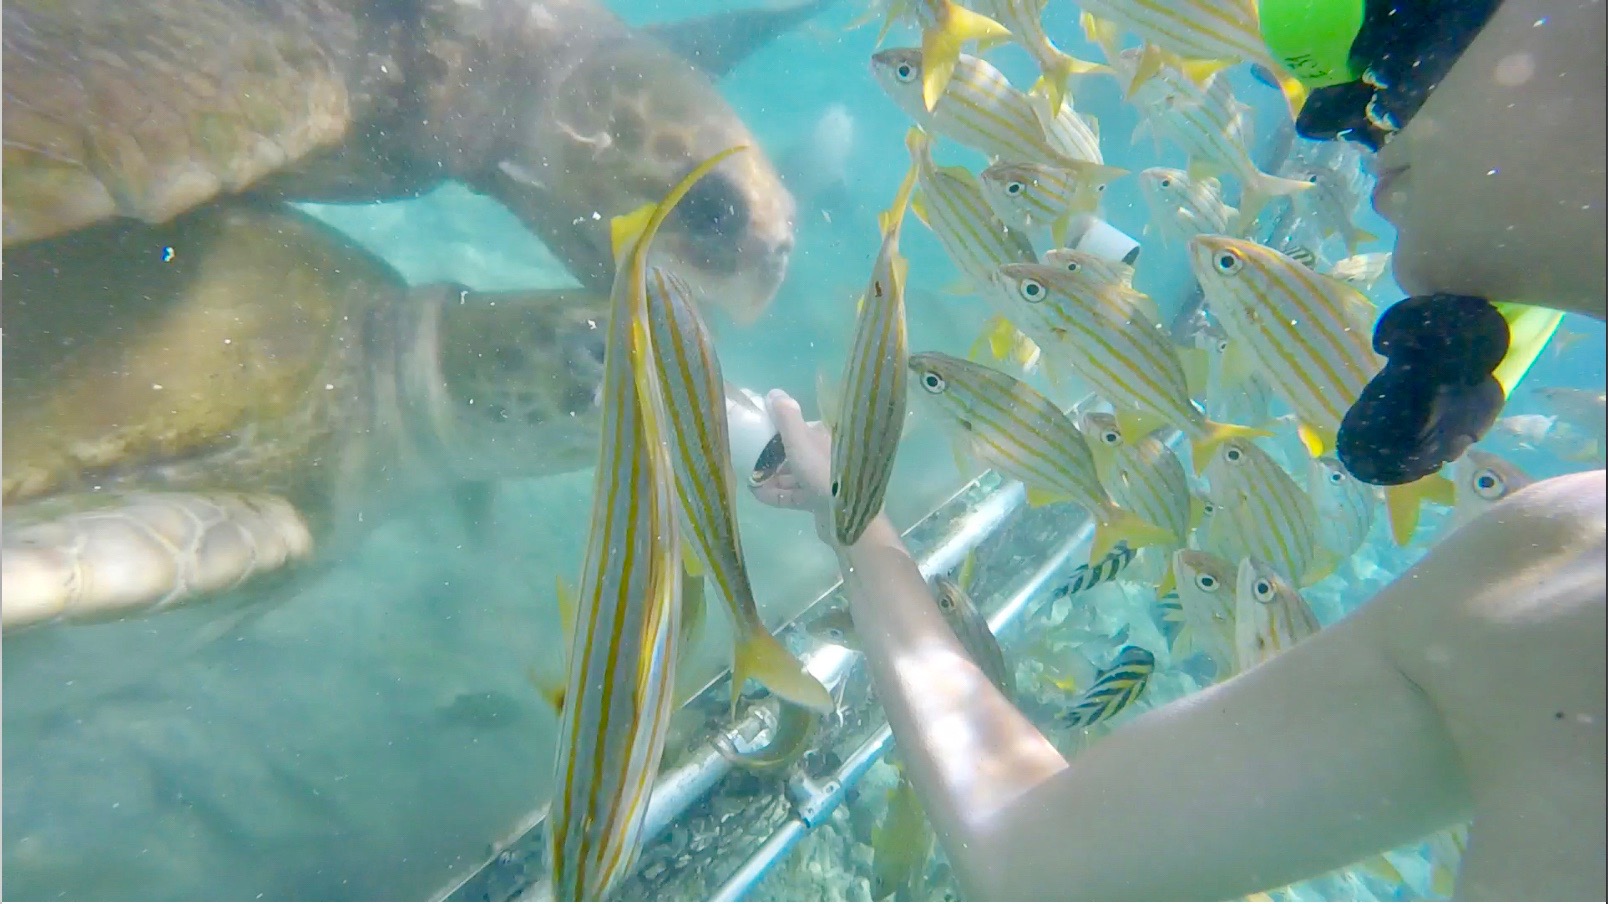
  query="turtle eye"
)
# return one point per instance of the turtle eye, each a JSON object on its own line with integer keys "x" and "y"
{"x": 1228, "y": 263}
{"x": 932, "y": 382}
{"x": 1014, "y": 188}
{"x": 1263, "y": 590}
{"x": 904, "y": 72}
{"x": 1206, "y": 582}
{"x": 1489, "y": 485}
{"x": 1031, "y": 289}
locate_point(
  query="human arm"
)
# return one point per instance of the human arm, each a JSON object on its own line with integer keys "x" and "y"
{"x": 1322, "y": 756}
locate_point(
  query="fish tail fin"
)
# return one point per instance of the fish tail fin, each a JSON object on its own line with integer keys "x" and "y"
{"x": 1531, "y": 328}
{"x": 760, "y": 656}
{"x": 1118, "y": 525}
{"x": 1261, "y": 188}
{"x": 1356, "y": 235}
{"x": 940, "y": 47}
{"x": 1403, "y": 502}
{"x": 1214, "y": 434}
{"x": 1169, "y": 581}
{"x": 1151, "y": 59}
{"x": 1056, "y": 78}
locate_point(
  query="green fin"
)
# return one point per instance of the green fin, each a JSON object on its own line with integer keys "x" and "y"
{"x": 1380, "y": 867}
{"x": 968, "y": 565}
{"x": 1136, "y": 425}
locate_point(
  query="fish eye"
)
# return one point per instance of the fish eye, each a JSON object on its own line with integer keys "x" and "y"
{"x": 1072, "y": 267}
{"x": 1263, "y": 589}
{"x": 932, "y": 382}
{"x": 1099, "y": 188}
{"x": 1233, "y": 454}
{"x": 1206, "y": 582}
{"x": 1111, "y": 437}
{"x": 1313, "y": 178}
{"x": 834, "y": 634}
{"x": 836, "y": 485}
{"x": 1336, "y": 478}
{"x": 904, "y": 72}
{"x": 1209, "y": 508}
{"x": 1014, "y": 188}
{"x": 1228, "y": 263}
{"x": 1032, "y": 290}
{"x": 1222, "y": 345}
{"x": 1488, "y": 485}
{"x": 1166, "y": 183}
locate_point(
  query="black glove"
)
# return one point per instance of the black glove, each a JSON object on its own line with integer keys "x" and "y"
{"x": 1436, "y": 395}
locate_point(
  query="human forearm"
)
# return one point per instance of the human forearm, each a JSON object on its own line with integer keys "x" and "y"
{"x": 966, "y": 748}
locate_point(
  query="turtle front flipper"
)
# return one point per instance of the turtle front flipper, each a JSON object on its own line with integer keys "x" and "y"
{"x": 147, "y": 552}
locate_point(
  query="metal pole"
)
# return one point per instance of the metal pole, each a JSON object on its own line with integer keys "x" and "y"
{"x": 818, "y": 808}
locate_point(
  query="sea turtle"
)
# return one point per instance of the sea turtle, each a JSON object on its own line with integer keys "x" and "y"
{"x": 555, "y": 108}
{"x": 204, "y": 385}
{"x": 204, "y": 401}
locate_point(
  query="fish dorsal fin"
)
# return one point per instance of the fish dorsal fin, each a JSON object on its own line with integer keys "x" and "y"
{"x": 719, "y": 43}
{"x": 918, "y": 206}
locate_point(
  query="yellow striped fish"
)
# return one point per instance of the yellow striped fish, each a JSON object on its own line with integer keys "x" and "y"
{"x": 1146, "y": 478}
{"x": 874, "y": 383}
{"x": 1332, "y": 202}
{"x": 1108, "y": 334}
{"x": 1184, "y": 207}
{"x": 1263, "y": 512}
{"x": 1270, "y": 616}
{"x": 901, "y": 845}
{"x": 979, "y": 109}
{"x": 1206, "y": 588}
{"x": 971, "y": 629}
{"x": 945, "y": 27}
{"x": 1068, "y": 133}
{"x": 1214, "y": 130}
{"x": 1038, "y": 195}
{"x": 623, "y": 650}
{"x": 1344, "y": 506}
{"x": 689, "y": 373}
{"x": 950, "y": 202}
{"x": 1482, "y": 480}
{"x": 1017, "y": 430}
{"x": 1235, "y": 390}
{"x": 1200, "y": 35}
{"x": 1143, "y": 476}
{"x": 1113, "y": 691}
{"x": 1310, "y": 335}
{"x": 1024, "y": 18}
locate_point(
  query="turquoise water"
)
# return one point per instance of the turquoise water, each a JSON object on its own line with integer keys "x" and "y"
{"x": 374, "y": 734}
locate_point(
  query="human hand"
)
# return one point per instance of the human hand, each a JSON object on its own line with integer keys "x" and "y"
{"x": 804, "y": 480}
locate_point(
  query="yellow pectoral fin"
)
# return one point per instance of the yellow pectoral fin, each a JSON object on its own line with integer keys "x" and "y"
{"x": 1037, "y": 496}
{"x": 1197, "y": 369}
{"x": 1317, "y": 442}
{"x": 1201, "y": 71}
{"x": 1403, "y": 503}
{"x": 625, "y": 229}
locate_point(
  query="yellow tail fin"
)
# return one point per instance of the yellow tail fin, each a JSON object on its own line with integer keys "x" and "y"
{"x": 1117, "y": 525}
{"x": 1212, "y": 435}
{"x": 1403, "y": 502}
{"x": 940, "y": 47}
{"x": 1530, "y": 329}
{"x": 762, "y": 657}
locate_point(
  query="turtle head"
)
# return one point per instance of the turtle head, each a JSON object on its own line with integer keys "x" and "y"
{"x": 619, "y": 131}
{"x": 515, "y": 382}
